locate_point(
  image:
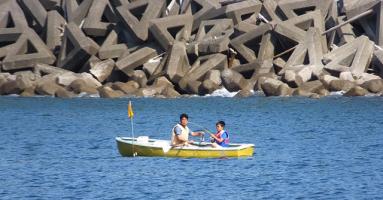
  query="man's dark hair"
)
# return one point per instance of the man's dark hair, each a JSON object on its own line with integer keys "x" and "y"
{"x": 184, "y": 115}
{"x": 222, "y": 123}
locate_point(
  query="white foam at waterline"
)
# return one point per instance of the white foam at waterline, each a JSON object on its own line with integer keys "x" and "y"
{"x": 338, "y": 93}
{"x": 257, "y": 93}
{"x": 13, "y": 95}
{"x": 94, "y": 95}
{"x": 222, "y": 92}
{"x": 373, "y": 95}
{"x": 84, "y": 94}
{"x": 34, "y": 96}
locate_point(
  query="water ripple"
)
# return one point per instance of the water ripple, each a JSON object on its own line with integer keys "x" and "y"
{"x": 305, "y": 149}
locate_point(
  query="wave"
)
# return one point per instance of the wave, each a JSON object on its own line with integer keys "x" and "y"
{"x": 222, "y": 92}
{"x": 373, "y": 95}
{"x": 13, "y": 95}
{"x": 338, "y": 93}
{"x": 84, "y": 94}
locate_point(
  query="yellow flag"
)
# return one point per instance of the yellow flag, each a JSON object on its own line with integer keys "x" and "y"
{"x": 130, "y": 110}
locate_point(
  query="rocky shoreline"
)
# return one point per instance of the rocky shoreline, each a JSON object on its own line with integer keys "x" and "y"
{"x": 173, "y": 48}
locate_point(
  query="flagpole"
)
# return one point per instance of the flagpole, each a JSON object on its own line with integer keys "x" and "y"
{"x": 131, "y": 123}
{"x": 130, "y": 115}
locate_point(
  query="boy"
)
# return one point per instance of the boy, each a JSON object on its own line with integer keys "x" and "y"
{"x": 221, "y": 138}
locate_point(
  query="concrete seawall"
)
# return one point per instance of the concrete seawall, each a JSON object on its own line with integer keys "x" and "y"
{"x": 170, "y": 48}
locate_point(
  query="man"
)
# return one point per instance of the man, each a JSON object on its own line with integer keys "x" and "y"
{"x": 181, "y": 132}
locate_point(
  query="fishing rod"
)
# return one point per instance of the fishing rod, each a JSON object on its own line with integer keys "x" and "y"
{"x": 203, "y": 137}
{"x": 200, "y": 126}
{"x": 203, "y": 128}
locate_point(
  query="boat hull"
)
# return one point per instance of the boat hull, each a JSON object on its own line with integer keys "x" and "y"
{"x": 128, "y": 148}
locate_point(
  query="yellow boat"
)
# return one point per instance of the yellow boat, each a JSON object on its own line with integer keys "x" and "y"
{"x": 143, "y": 146}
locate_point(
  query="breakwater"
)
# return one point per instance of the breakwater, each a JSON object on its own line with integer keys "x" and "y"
{"x": 170, "y": 48}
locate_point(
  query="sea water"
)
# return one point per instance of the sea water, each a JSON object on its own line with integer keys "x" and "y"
{"x": 329, "y": 148}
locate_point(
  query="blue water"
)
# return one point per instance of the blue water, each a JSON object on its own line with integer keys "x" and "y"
{"x": 331, "y": 148}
